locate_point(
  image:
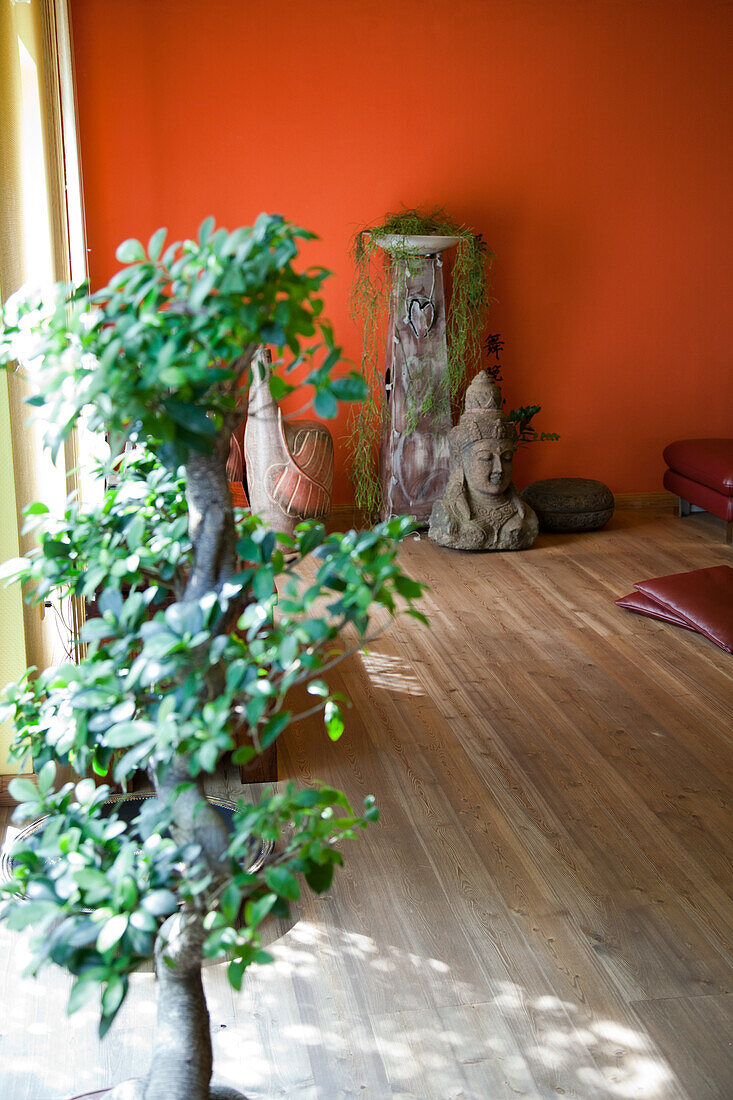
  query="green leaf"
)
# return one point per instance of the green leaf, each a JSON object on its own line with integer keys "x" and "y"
{"x": 352, "y": 387}
{"x": 23, "y": 790}
{"x": 411, "y": 590}
{"x": 98, "y": 767}
{"x": 319, "y": 877}
{"x": 160, "y": 902}
{"x": 191, "y": 417}
{"x": 278, "y": 387}
{"x": 243, "y": 754}
{"x": 112, "y": 932}
{"x": 155, "y": 244}
{"x": 307, "y": 798}
{"x": 114, "y": 995}
{"x": 202, "y": 288}
{"x": 46, "y": 777}
{"x": 206, "y": 229}
{"x": 128, "y": 892}
{"x": 256, "y": 911}
{"x": 82, "y": 991}
{"x": 130, "y": 251}
{"x": 86, "y": 790}
{"x": 143, "y": 920}
{"x": 235, "y": 973}
{"x": 287, "y": 651}
{"x": 334, "y": 720}
{"x": 96, "y": 630}
{"x": 273, "y": 334}
{"x": 30, "y": 912}
{"x": 125, "y": 734}
{"x": 263, "y": 583}
{"x": 283, "y": 882}
{"x": 419, "y": 616}
{"x": 230, "y": 902}
{"x": 105, "y": 1023}
{"x": 208, "y": 756}
{"x": 90, "y": 879}
{"x": 312, "y": 537}
{"x": 325, "y": 404}
{"x": 273, "y": 727}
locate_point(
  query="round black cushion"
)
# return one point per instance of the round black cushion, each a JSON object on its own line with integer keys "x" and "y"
{"x": 570, "y": 503}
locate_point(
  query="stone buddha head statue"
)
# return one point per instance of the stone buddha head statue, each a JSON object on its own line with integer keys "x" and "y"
{"x": 485, "y": 440}
{"x": 481, "y": 509}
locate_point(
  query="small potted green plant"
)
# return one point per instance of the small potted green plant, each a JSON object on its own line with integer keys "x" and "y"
{"x": 525, "y": 414}
{"x": 205, "y": 623}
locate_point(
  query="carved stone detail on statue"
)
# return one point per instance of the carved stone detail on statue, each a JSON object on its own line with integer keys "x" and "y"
{"x": 481, "y": 508}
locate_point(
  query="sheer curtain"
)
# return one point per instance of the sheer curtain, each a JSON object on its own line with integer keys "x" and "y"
{"x": 41, "y": 240}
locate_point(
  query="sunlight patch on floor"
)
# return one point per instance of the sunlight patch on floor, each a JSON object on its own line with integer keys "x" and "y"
{"x": 466, "y": 1041}
{"x": 441, "y": 1052}
{"x": 390, "y": 673}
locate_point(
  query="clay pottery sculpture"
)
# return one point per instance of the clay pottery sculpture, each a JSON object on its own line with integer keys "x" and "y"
{"x": 289, "y": 463}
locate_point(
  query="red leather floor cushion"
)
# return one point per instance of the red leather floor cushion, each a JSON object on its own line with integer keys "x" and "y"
{"x": 702, "y": 597}
{"x": 644, "y": 605}
{"x": 707, "y": 461}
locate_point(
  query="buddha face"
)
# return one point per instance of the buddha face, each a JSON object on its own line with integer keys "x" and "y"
{"x": 488, "y": 466}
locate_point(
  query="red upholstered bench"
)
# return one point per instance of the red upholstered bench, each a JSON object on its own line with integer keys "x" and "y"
{"x": 701, "y": 472}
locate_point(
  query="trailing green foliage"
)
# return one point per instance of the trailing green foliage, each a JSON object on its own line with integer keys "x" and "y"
{"x": 163, "y": 682}
{"x": 466, "y": 319}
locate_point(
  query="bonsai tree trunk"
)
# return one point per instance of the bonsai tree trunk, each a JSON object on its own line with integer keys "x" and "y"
{"x": 211, "y": 520}
{"x": 182, "y": 1059}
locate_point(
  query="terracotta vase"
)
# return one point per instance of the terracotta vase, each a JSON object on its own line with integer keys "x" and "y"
{"x": 289, "y": 463}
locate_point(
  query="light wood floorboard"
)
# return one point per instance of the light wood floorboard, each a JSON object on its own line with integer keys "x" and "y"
{"x": 545, "y": 908}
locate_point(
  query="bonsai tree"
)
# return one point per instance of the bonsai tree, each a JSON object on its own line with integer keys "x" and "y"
{"x": 205, "y": 622}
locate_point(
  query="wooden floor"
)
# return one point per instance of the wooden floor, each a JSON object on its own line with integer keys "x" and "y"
{"x": 545, "y": 909}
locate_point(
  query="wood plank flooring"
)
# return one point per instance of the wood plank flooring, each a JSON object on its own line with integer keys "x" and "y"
{"x": 545, "y": 909}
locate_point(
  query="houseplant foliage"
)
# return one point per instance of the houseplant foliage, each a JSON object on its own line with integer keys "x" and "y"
{"x": 465, "y": 322}
{"x": 192, "y": 641}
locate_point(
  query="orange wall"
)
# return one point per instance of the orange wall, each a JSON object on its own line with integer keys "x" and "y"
{"x": 588, "y": 140}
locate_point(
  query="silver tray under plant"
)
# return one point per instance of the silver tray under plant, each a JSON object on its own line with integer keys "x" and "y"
{"x": 128, "y": 804}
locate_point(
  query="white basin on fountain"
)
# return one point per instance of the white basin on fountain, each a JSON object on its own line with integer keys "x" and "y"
{"x": 412, "y": 244}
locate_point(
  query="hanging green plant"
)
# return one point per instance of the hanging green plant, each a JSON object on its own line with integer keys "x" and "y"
{"x": 466, "y": 318}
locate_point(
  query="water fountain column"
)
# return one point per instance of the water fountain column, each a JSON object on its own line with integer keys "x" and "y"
{"x": 413, "y": 452}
